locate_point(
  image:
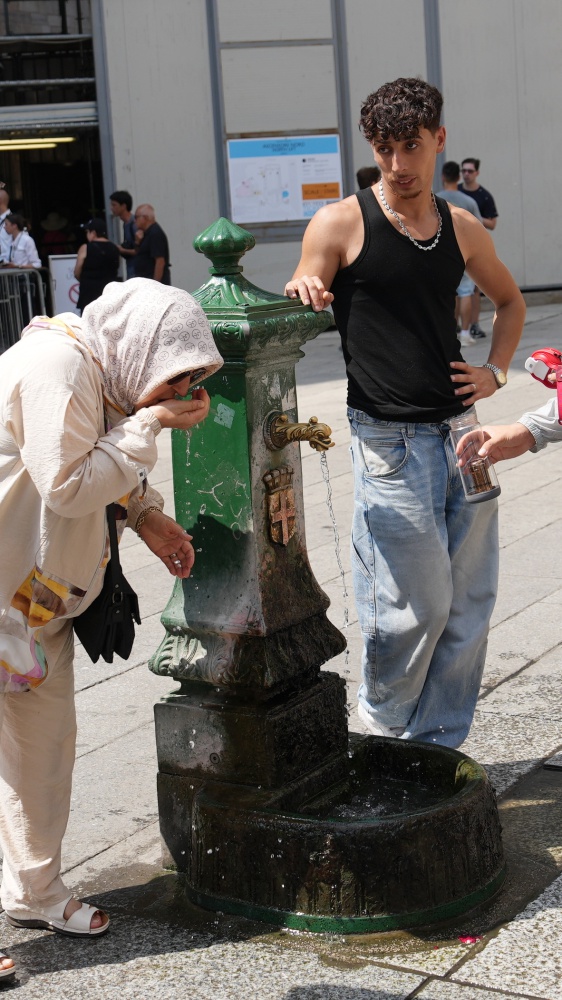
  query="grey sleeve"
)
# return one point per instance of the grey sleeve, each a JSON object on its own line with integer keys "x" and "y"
{"x": 543, "y": 424}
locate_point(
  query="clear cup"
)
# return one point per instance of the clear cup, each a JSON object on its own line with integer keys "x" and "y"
{"x": 478, "y": 475}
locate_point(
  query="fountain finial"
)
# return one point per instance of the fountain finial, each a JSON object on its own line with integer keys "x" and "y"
{"x": 224, "y": 243}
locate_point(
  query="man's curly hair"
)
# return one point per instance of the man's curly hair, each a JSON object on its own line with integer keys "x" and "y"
{"x": 399, "y": 109}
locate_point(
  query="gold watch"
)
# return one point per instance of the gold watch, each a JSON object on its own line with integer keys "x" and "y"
{"x": 499, "y": 375}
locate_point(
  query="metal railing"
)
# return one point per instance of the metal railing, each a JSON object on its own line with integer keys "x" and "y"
{"x": 22, "y": 295}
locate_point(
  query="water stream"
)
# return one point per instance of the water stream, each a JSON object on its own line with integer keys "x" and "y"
{"x": 330, "y": 506}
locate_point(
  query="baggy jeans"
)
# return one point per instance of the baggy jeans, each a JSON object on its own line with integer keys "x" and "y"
{"x": 425, "y": 572}
{"x": 37, "y": 749}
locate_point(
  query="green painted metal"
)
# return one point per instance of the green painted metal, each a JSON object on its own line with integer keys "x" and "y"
{"x": 333, "y": 924}
{"x": 243, "y": 586}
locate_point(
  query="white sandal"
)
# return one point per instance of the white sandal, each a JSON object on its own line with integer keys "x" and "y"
{"x": 52, "y": 919}
{"x": 6, "y": 972}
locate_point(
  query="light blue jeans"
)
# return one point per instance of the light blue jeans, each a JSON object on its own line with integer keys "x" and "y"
{"x": 425, "y": 570}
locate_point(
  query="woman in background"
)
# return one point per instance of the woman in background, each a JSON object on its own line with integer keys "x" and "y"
{"x": 97, "y": 263}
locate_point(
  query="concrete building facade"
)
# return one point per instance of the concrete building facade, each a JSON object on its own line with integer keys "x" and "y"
{"x": 177, "y": 79}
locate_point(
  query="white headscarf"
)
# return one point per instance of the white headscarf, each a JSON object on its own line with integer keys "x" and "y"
{"x": 144, "y": 333}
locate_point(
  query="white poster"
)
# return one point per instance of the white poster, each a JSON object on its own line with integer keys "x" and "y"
{"x": 65, "y": 286}
{"x": 283, "y": 179}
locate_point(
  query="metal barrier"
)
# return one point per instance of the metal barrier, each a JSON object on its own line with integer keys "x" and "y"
{"x": 22, "y": 295}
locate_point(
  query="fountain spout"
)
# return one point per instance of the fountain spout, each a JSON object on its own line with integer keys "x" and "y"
{"x": 278, "y": 433}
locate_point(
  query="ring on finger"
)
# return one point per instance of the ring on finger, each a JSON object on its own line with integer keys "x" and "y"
{"x": 177, "y": 562}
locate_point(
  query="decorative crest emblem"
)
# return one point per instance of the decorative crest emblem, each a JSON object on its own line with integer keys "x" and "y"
{"x": 280, "y": 504}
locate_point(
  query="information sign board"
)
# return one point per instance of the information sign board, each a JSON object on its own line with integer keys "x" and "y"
{"x": 283, "y": 179}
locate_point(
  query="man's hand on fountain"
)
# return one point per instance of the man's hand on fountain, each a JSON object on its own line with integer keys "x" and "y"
{"x": 183, "y": 414}
{"x": 310, "y": 290}
{"x": 169, "y": 541}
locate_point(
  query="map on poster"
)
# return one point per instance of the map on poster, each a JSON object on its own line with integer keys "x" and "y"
{"x": 283, "y": 179}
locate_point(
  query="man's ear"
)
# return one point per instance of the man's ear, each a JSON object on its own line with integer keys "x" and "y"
{"x": 441, "y": 137}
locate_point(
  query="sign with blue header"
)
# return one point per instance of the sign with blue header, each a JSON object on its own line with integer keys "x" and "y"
{"x": 283, "y": 178}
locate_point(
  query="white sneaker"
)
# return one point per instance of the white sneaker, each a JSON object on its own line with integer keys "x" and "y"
{"x": 466, "y": 339}
{"x": 376, "y": 728}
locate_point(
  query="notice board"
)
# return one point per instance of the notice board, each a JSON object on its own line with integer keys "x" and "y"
{"x": 283, "y": 179}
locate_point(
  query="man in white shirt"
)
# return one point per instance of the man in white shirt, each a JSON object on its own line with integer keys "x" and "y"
{"x": 22, "y": 251}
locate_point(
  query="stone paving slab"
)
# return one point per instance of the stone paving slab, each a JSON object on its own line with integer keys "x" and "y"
{"x": 440, "y": 990}
{"x": 517, "y": 592}
{"x": 532, "y": 472}
{"x": 534, "y": 551}
{"x": 114, "y": 794}
{"x": 525, "y": 957}
{"x": 141, "y": 959}
{"x": 522, "y": 640}
{"x": 538, "y": 684}
{"x": 510, "y": 746}
{"x": 106, "y": 712}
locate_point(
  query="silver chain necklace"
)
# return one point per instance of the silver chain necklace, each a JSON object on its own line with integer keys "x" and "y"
{"x": 403, "y": 227}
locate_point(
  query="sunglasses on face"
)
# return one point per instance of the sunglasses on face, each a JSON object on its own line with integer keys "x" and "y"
{"x": 191, "y": 375}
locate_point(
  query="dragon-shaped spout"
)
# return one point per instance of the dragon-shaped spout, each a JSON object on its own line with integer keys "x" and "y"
{"x": 279, "y": 432}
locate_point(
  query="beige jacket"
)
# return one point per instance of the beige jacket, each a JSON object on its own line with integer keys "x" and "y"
{"x": 59, "y": 468}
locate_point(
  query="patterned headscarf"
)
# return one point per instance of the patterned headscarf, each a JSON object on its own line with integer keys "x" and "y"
{"x": 143, "y": 333}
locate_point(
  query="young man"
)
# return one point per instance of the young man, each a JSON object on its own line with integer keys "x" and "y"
{"x": 489, "y": 213}
{"x": 152, "y": 257}
{"x": 424, "y": 560}
{"x": 450, "y": 177}
{"x": 121, "y": 203}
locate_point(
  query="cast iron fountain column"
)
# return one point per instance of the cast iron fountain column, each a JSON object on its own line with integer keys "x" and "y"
{"x": 253, "y": 753}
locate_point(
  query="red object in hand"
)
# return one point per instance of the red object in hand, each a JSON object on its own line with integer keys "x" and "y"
{"x": 543, "y": 364}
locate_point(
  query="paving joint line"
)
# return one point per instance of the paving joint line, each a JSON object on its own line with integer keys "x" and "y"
{"x": 120, "y": 736}
{"x": 117, "y": 843}
{"x": 516, "y": 673}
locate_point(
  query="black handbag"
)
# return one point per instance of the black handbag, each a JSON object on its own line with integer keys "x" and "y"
{"x": 108, "y": 625}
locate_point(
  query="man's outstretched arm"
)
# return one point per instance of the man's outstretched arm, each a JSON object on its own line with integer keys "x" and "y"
{"x": 320, "y": 258}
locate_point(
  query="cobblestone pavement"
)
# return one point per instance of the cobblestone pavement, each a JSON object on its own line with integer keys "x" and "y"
{"x": 158, "y": 946}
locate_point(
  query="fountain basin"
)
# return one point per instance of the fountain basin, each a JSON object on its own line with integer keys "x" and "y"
{"x": 343, "y": 860}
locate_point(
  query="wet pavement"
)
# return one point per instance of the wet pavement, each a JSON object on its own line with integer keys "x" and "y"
{"x": 160, "y": 946}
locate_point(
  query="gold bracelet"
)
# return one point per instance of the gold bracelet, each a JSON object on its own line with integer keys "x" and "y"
{"x": 142, "y": 517}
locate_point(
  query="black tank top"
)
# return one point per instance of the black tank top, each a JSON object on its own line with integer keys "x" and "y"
{"x": 395, "y": 309}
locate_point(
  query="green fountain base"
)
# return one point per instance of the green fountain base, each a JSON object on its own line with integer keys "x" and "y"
{"x": 376, "y": 835}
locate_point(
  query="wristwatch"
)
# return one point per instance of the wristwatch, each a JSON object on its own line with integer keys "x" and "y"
{"x": 500, "y": 377}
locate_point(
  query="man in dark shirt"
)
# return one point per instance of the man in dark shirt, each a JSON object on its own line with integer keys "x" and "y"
{"x": 121, "y": 203}
{"x": 424, "y": 560}
{"x": 152, "y": 259}
{"x": 488, "y": 211}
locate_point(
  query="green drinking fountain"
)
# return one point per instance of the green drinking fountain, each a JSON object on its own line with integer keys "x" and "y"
{"x": 267, "y": 805}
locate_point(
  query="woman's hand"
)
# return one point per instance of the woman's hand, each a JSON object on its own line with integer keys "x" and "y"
{"x": 170, "y": 542}
{"x": 183, "y": 414}
{"x": 476, "y": 382}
